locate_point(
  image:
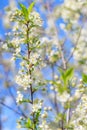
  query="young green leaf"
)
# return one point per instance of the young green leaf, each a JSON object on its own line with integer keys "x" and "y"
{"x": 69, "y": 73}
{"x": 66, "y": 75}
{"x": 31, "y": 7}
{"x": 62, "y": 75}
{"x": 28, "y": 124}
{"x": 24, "y": 11}
{"x": 84, "y": 77}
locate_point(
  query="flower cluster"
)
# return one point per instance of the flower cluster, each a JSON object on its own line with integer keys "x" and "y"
{"x": 44, "y": 126}
{"x": 19, "y": 97}
{"x": 67, "y": 93}
{"x": 37, "y": 106}
{"x": 23, "y": 80}
{"x": 24, "y": 43}
{"x": 79, "y": 119}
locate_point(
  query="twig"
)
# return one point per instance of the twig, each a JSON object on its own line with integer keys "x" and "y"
{"x": 11, "y": 108}
{"x": 11, "y": 94}
{"x": 16, "y": 103}
{"x": 77, "y": 41}
{"x": 55, "y": 95}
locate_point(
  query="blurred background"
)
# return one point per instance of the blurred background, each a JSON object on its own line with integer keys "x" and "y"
{"x": 61, "y": 24}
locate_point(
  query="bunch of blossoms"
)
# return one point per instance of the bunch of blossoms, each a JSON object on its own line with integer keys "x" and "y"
{"x": 68, "y": 90}
{"x": 74, "y": 25}
{"x": 80, "y": 122}
{"x": 8, "y": 10}
{"x": 67, "y": 87}
{"x": 66, "y": 84}
{"x": 24, "y": 42}
{"x": 79, "y": 118}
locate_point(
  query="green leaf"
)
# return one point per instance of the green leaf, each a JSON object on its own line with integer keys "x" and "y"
{"x": 84, "y": 77}
{"x": 28, "y": 123}
{"x": 69, "y": 73}
{"x": 82, "y": 61}
{"x": 38, "y": 114}
{"x": 24, "y": 11}
{"x": 62, "y": 76}
{"x": 66, "y": 75}
{"x": 61, "y": 89}
{"x": 31, "y": 7}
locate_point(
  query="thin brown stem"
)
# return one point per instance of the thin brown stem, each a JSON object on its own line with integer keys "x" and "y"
{"x": 30, "y": 63}
{"x": 29, "y": 70}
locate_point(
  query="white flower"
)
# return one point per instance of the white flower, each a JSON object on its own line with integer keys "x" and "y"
{"x": 19, "y": 126}
{"x": 63, "y": 97}
{"x": 52, "y": 88}
{"x": 19, "y": 97}
{"x": 4, "y": 46}
{"x": 34, "y": 58}
{"x": 56, "y": 77}
{"x": 44, "y": 126}
{"x": 44, "y": 115}
{"x": 17, "y": 51}
{"x": 36, "y": 106}
{"x": 23, "y": 80}
{"x": 79, "y": 118}
{"x": 36, "y": 18}
{"x": 48, "y": 108}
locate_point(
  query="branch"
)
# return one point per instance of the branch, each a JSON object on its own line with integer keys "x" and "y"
{"x": 55, "y": 95}
{"x": 29, "y": 71}
{"x": 16, "y": 103}
{"x": 12, "y": 109}
{"x": 77, "y": 41}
